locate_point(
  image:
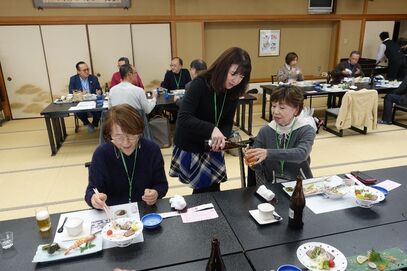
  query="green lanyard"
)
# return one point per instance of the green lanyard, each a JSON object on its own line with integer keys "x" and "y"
{"x": 282, "y": 162}
{"x": 127, "y": 172}
{"x": 217, "y": 118}
{"x": 179, "y": 79}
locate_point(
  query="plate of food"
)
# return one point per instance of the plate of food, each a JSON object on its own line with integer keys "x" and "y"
{"x": 366, "y": 196}
{"x": 68, "y": 249}
{"x": 310, "y": 189}
{"x": 336, "y": 192}
{"x": 318, "y": 256}
{"x": 122, "y": 231}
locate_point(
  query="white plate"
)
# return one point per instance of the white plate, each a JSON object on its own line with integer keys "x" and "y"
{"x": 368, "y": 204}
{"x": 255, "y": 214}
{"x": 340, "y": 260}
{"x": 44, "y": 256}
{"x": 117, "y": 237}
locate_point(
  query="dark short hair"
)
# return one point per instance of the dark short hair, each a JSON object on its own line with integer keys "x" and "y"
{"x": 125, "y": 59}
{"x": 354, "y": 53}
{"x": 79, "y": 63}
{"x": 125, "y": 116}
{"x": 198, "y": 65}
{"x": 179, "y": 60}
{"x": 217, "y": 73}
{"x": 402, "y": 41}
{"x": 384, "y": 35}
{"x": 291, "y": 95}
{"x": 290, "y": 57}
{"x": 125, "y": 69}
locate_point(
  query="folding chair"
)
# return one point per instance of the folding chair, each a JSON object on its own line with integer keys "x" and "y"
{"x": 396, "y": 108}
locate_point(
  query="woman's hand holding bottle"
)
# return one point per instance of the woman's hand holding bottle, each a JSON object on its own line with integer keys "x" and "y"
{"x": 218, "y": 140}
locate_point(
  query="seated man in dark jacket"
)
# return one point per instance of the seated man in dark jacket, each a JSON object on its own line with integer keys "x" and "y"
{"x": 86, "y": 83}
{"x": 399, "y": 96}
{"x": 348, "y": 68}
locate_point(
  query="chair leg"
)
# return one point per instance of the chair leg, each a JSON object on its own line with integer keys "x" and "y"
{"x": 393, "y": 118}
{"x": 328, "y": 129}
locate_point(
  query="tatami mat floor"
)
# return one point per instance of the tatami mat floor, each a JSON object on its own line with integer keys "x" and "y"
{"x": 30, "y": 176}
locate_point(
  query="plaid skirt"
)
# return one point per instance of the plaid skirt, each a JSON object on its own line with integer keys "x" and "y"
{"x": 199, "y": 170}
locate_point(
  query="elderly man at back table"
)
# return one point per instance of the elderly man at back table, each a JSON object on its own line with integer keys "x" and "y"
{"x": 347, "y": 68}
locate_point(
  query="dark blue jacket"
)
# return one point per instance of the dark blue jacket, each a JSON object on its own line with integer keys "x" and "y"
{"x": 107, "y": 173}
{"x": 75, "y": 83}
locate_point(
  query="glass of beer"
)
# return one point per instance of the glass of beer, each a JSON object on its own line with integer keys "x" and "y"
{"x": 43, "y": 218}
{"x": 249, "y": 160}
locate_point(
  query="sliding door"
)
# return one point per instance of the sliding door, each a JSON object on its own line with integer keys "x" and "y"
{"x": 64, "y": 46}
{"x": 25, "y": 73}
{"x": 152, "y": 52}
{"x": 108, "y": 43}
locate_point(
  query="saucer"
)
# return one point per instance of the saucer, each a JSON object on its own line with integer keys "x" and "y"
{"x": 255, "y": 214}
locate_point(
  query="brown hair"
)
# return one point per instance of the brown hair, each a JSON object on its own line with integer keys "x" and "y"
{"x": 290, "y": 95}
{"x": 217, "y": 73}
{"x": 126, "y": 116}
{"x": 290, "y": 57}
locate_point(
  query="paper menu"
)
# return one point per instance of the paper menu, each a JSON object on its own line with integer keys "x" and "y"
{"x": 388, "y": 185}
{"x": 190, "y": 217}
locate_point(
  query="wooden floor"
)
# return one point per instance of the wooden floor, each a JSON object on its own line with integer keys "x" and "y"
{"x": 30, "y": 176}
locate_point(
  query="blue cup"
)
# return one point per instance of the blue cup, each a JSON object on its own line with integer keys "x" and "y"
{"x": 99, "y": 100}
{"x": 166, "y": 94}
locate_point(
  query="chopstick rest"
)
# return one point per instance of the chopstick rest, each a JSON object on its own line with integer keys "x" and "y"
{"x": 265, "y": 193}
{"x": 178, "y": 202}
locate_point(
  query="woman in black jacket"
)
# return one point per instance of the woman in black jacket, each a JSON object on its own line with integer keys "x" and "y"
{"x": 207, "y": 113}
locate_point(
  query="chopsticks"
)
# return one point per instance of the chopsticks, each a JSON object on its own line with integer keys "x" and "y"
{"x": 106, "y": 208}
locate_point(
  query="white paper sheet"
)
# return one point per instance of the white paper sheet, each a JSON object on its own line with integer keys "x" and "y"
{"x": 190, "y": 217}
{"x": 388, "y": 185}
{"x": 91, "y": 215}
{"x": 84, "y": 106}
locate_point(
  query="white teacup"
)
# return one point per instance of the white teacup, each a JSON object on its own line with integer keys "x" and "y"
{"x": 74, "y": 226}
{"x": 265, "y": 211}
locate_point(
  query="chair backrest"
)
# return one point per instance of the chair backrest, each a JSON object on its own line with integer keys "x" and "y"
{"x": 358, "y": 109}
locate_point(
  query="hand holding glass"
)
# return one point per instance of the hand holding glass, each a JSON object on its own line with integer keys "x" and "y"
{"x": 249, "y": 159}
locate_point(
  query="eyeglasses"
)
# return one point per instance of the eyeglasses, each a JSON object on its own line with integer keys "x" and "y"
{"x": 123, "y": 138}
{"x": 85, "y": 70}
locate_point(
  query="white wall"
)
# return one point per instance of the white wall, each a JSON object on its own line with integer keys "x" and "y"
{"x": 371, "y": 39}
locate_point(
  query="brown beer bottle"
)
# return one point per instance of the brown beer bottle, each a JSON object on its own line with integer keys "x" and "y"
{"x": 228, "y": 145}
{"x": 215, "y": 262}
{"x": 296, "y": 206}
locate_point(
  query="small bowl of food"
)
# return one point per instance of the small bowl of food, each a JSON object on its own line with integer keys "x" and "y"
{"x": 366, "y": 196}
{"x": 122, "y": 231}
{"x": 120, "y": 213}
{"x": 74, "y": 226}
{"x": 336, "y": 192}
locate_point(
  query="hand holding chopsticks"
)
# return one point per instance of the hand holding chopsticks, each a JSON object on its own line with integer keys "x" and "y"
{"x": 99, "y": 202}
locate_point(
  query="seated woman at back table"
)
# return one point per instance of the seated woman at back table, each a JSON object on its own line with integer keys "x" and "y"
{"x": 128, "y": 167}
{"x": 290, "y": 72}
{"x": 283, "y": 147}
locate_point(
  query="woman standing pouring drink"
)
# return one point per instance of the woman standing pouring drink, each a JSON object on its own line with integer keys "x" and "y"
{"x": 283, "y": 147}
{"x": 128, "y": 167}
{"x": 207, "y": 113}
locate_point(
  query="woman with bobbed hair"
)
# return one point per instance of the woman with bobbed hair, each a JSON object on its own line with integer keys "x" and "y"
{"x": 290, "y": 72}
{"x": 283, "y": 147}
{"x": 128, "y": 167}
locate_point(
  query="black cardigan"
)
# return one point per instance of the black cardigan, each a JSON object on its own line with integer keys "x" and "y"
{"x": 196, "y": 118}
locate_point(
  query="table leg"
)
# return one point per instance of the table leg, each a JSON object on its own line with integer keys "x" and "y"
{"x": 250, "y": 122}
{"x": 63, "y": 128}
{"x": 57, "y": 132}
{"x": 237, "y": 121}
{"x": 50, "y": 135}
{"x": 243, "y": 117}
{"x": 263, "y": 105}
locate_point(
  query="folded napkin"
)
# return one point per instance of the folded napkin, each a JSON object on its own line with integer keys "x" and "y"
{"x": 178, "y": 202}
{"x": 267, "y": 194}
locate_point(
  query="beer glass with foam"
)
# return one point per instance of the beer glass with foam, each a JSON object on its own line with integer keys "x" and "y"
{"x": 43, "y": 218}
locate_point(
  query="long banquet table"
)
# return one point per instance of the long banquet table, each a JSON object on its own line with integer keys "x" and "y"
{"x": 244, "y": 243}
